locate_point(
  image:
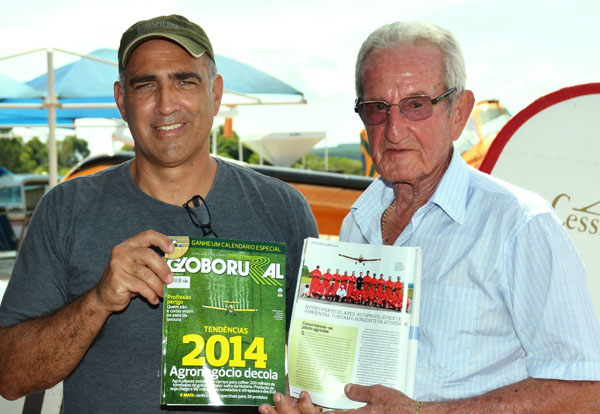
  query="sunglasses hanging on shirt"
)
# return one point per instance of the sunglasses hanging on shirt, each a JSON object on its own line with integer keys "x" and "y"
{"x": 200, "y": 215}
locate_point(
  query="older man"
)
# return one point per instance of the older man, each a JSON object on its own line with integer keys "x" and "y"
{"x": 80, "y": 309}
{"x": 506, "y": 323}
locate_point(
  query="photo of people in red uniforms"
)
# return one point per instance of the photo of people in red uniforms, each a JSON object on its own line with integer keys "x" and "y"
{"x": 352, "y": 284}
{"x": 381, "y": 280}
{"x": 398, "y": 286}
{"x": 389, "y": 284}
{"x": 327, "y": 277}
{"x": 316, "y": 279}
{"x": 320, "y": 290}
{"x": 367, "y": 280}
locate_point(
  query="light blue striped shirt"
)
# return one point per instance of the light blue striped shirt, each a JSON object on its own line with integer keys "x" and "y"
{"x": 503, "y": 289}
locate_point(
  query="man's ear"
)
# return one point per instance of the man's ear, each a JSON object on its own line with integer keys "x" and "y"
{"x": 461, "y": 111}
{"x": 120, "y": 99}
{"x": 217, "y": 91}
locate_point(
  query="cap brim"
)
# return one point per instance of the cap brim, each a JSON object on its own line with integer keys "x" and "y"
{"x": 192, "y": 48}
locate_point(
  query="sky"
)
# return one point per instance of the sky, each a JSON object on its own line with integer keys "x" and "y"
{"x": 515, "y": 51}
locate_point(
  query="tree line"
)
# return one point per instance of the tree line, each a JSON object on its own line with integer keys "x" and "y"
{"x": 20, "y": 156}
{"x": 31, "y": 156}
{"x": 229, "y": 147}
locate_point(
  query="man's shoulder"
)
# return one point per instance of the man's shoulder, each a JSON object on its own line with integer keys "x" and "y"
{"x": 504, "y": 195}
{"x": 247, "y": 176}
{"x": 243, "y": 171}
{"x": 90, "y": 187}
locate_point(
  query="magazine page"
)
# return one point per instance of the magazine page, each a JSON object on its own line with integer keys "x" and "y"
{"x": 355, "y": 320}
{"x": 223, "y": 323}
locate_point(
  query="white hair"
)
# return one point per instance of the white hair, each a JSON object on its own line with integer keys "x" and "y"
{"x": 413, "y": 34}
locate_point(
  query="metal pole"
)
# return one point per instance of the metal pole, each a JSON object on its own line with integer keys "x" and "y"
{"x": 52, "y": 104}
{"x": 260, "y": 153}
{"x": 326, "y": 154}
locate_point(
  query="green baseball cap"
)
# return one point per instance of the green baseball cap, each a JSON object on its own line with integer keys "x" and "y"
{"x": 176, "y": 28}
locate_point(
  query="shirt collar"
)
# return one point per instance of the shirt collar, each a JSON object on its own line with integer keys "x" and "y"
{"x": 450, "y": 195}
{"x": 369, "y": 207}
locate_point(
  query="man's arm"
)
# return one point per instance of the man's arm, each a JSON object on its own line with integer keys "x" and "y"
{"x": 531, "y": 396}
{"x": 38, "y": 353}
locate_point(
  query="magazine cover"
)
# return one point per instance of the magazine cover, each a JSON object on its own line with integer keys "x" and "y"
{"x": 355, "y": 320}
{"x": 223, "y": 323}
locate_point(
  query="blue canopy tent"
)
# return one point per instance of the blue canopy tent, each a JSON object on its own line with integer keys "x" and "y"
{"x": 60, "y": 105}
{"x": 240, "y": 78}
{"x": 34, "y": 112}
{"x": 13, "y": 89}
{"x": 84, "y": 89}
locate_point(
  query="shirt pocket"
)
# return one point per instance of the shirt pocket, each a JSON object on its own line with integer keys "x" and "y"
{"x": 447, "y": 327}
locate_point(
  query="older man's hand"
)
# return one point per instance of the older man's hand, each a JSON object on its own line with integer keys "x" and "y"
{"x": 379, "y": 399}
{"x": 284, "y": 404}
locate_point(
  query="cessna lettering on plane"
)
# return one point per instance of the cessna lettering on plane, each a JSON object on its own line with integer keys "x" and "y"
{"x": 584, "y": 219}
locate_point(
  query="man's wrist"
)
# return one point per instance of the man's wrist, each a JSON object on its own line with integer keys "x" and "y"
{"x": 419, "y": 406}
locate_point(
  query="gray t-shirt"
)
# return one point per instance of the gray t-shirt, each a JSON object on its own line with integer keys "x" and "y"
{"x": 69, "y": 242}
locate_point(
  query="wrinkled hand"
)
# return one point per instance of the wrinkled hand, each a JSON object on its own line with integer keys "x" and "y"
{"x": 284, "y": 404}
{"x": 379, "y": 399}
{"x": 135, "y": 269}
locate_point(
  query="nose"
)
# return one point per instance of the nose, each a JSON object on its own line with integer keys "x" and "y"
{"x": 396, "y": 126}
{"x": 167, "y": 99}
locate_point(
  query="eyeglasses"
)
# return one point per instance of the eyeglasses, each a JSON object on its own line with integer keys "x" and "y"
{"x": 192, "y": 207}
{"x": 415, "y": 108}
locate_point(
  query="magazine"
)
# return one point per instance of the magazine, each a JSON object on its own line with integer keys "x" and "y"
{"x": 223, "y": 323}
{"x": 355, "y": 320}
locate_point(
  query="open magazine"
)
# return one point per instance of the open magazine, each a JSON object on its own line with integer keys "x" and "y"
{"x": 223, "y": 323}
{"x": 355, "y": 320}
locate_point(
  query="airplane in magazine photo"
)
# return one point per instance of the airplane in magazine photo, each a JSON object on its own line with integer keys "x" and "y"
{"x": 359, "y": 259}
{"x": 229, "y": 308}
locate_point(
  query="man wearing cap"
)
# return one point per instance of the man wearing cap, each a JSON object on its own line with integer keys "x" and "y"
{"x": 83, "y": 303}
